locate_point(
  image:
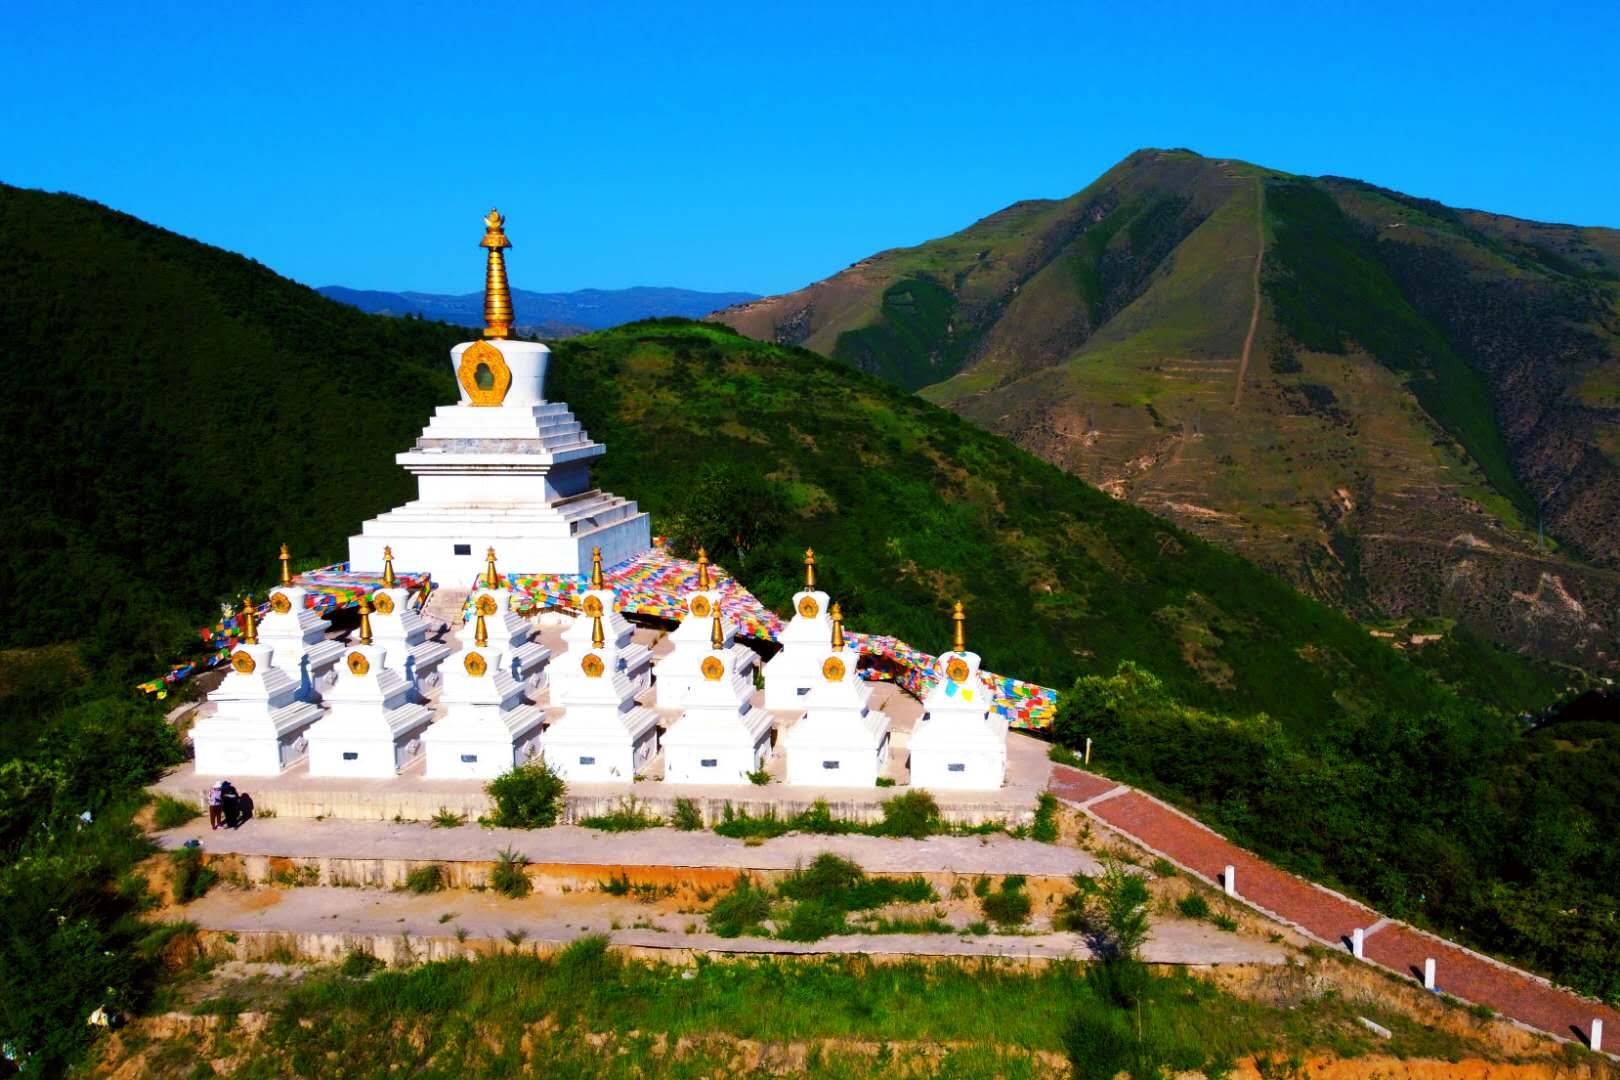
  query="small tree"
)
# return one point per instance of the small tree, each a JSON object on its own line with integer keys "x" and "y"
{"x": 528, "y": 797}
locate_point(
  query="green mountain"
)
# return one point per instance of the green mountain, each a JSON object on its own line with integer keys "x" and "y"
{"x": 1407, "y": 410}
{"x": 177, "y": 411}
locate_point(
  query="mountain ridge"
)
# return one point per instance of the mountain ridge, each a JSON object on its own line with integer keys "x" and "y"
{"x": 551, "y": 314}
{"x": 1432, "y": 393}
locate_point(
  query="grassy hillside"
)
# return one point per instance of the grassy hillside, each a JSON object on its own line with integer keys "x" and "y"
{"x": 1406, "y": 410}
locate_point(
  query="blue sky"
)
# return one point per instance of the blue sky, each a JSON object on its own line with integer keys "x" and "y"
{"x": 762, "y": 146}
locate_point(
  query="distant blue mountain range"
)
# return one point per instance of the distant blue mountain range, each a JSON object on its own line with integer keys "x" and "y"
{"x": 551, "y": 314}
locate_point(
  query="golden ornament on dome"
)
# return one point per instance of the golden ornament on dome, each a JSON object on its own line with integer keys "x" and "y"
{"x": 809, "y": 608}
{"x": 833, "y": 669}
{"x": 358, "y": 664}
{"x": 475, "y": 664}
{"x": 279, "y": 603}
{"x": 486, "y": 605}
{"x": 956, "y": 670}
{"x": 713, "y": 669}
{"x": 384, "y": 604}
{"x": 592, "y": 607}
{"x": 592, "y": 666}
{"x": 700, "y": 606}
{"x": 242, "y": 663}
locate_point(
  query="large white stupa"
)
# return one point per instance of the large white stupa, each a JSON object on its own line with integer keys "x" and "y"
{"x": 502, "y": 467}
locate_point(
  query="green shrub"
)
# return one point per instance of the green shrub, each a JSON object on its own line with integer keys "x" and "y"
{"x": 191, "y": 878}
{"x": 1062, "y": 755}
{"x": 740, "y": 911}
{"x": 760, "y": 777}
{"x": 446, "y": 819}
{"x": 840, "y": 883}
{"x": 508, "y": 876}
{"x": 812, "y": 920}
{"x": 687, "y": 817}
{"x": 171, "y": 813}
{"x": 914, "y": 814}
{"x": 528, "y": 797}
{"x": 426, "y": 879}
{"x": 1193, "y": 906}
{"x": 358, "y": 965}
{"x": 1163, "y": 867}
{"x": 885, "y": 781}
{"x": 740, "y": 825}
{"x": 1009, "y": 905}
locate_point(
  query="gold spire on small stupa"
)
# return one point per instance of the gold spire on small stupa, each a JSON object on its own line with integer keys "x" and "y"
{"x": 717, "y": 637}
{"x": 389, "y": 580}
{"x": 286, "y": 565}
{"x": 597, "y": 638}
{"x": 497, "y": 294}
{"x": 959, "y": 643}
{"x": 480, "y": 632}
{"x": 596, "y": 567}
{"x": 365, "y": 621}
{"x": 704, "y": 584}
{"x": 838, "y": 627}
{"x": 809, "y": 569}
{"x": 250, "y": 622}
{"x": 492, "y": 577}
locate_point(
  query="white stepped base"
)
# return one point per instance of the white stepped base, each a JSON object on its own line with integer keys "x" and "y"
{"x": 957, "y": 757}
{"x": 828, "y": 765}
{"x": 610, "y": 752}
{"x": 676, "y": 675}
{"x": 367, "y": 750}
{"x": 494, "y": 748}
{"x": 226, "y": 746}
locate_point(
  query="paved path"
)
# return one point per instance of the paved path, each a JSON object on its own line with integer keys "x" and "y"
{"x": 570, "y": 844}
{"x": 334, "y": 914}
{"x": 1329, "y": 917}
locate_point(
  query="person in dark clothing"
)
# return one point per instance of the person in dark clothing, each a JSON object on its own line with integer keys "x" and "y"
{"x": 244, "y": 808}
{"x": 228, "y": 802}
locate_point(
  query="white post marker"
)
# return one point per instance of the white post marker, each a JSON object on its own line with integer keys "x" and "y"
{"x": 1088, "y": 751}
{"x": 1596, "y": 1040}
{"x": 1358, "y": 938}
{"x": 1428, "y": 973}
{"x": 1229, "y": 881}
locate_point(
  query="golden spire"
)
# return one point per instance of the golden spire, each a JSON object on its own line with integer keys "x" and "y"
{"x": 286, "y": 565}
{"x": 809, "y": 568}
{"x": 960, "y": 642}
{"x": 704, "y": 584}
{"x": 497, "y": 295}
{"x": 388, "y": 568}
{"x": 480, "y": 632}
{"x": 717, "y": 638}
{"x": 597, "y": 640}
{"x": 250, "y": 628}
{"x": 365, "y": 621}
{"x": 492, "y": 577}
{"x": 838, "y": 627}
{"x": 596, "y": 567}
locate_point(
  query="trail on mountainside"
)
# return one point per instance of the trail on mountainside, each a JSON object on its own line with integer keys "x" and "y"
{"x": 1259, "y": 257}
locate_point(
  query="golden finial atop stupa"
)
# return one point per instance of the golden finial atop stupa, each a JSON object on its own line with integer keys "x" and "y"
{"x": 388, "y": 568}
{"x": 250, "y": 622}
{"x": 959, "y": 644}
{"x": 497, "y": 294}
{"x": 480, "y": 632}
{"x": 596, "y": 567}
{"x": 365, "y": 621}
{"x": 286, "y": 565}
{"x": 809, "y": 568}
{"x": 492, "y": 577}
{"x": 704, "y": 584}
{"x": 838, "y": 627}
{"x": 717, "y": 637}
{"x": 597, "y": 639}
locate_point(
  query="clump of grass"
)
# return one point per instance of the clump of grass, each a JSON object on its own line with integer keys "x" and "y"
{"x": 687, "y": 817}
{"x": 1062, "y": 755}
{"x": 837, "y": 881}
{"x": 191, "y": 878}
{"x": 1163, "y": 867}
{"x": 1009, "y": 905}
{"x": 508, "y": 876}
{"x": 428, "y": 878}
{"x": 448, "y": 819}
{"x": 630, "y": 815}
{"x": 1045, "y": 826}
{"x": 517, "y": 936}
{"x": 171, "y": 813}
{"x": 358, "y": 964}
{"x": 812, "y": 920}
{"x": 1193, "y": 906}
{"x": 528, "y": 797}
{"x": 914, "y": 815}
{"x": 759, "y": 777}
{"x": 885, "y": 781}
{"x": 1225, "y": 922}
{"x": 927, "y": 924}
{"x": 743, "y": 910}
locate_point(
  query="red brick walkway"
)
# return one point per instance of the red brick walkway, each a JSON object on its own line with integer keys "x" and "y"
{"x": 1331, "y": 918}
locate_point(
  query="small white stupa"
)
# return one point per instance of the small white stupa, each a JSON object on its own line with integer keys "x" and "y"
{"x": 681, "y": 671}
{"x": 371, "y": 728}
{"x": 298, "y": 635}
{"x": 487, "y": 727}
{"x": 791, "y": 673}
{"x": 258, "y": 719}
{"x": 959, "y": 742}
{"x": 509, "y": 632}
{"x": 503, "y": 467}
{"x": 602, "y": 734}
{"x": 839, "y": 741}
{"x": 721, "y": 737}
{"x": 634, "y": 661}
{"x": 401, "y": 633}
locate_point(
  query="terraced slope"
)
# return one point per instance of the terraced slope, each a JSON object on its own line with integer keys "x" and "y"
{"x": 1427, "y": 425}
